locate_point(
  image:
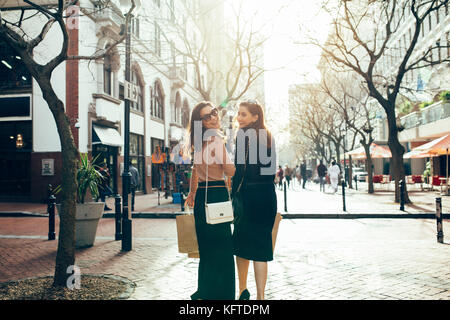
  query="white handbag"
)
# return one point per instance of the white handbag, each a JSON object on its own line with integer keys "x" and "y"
{"x": 218, "y": 212}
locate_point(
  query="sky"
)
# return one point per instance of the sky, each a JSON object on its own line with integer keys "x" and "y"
{"x": 287, "y": 23}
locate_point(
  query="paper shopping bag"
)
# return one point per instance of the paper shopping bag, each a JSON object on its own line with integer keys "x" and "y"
{"x": 187, "y": 238}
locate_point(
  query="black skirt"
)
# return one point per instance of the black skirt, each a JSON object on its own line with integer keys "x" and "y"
{"x": 252, "y": 235}
{"x": 216, "y": 274}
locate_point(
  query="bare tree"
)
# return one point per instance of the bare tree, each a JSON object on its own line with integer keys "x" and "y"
{"x": 351, "y": 103}
{"x": 240, "y": 44}
{"x": 15, "y": 35}
{"x": 318, "y": 124}
{"x": 353, "y": 45}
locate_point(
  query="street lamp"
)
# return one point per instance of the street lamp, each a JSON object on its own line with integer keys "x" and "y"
{"x": 125, "y": 6}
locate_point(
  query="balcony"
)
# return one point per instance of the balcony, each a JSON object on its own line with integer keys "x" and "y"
{"x": 110, "y": 15}
{"x": 429, "y": 122}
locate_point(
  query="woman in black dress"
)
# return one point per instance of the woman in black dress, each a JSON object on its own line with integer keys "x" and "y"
{"x": 253, "y": 193}
{"x": 216, "y": 275}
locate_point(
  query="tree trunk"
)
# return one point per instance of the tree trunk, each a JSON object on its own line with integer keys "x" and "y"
{"x": 397, "y": 169}
{"x": 66, "y": 240}
{"x": 369, "y": 168}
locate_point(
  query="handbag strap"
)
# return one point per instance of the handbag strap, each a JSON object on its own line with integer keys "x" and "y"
{"x": 245, "y": 168}
{"x": 206, "y": 192}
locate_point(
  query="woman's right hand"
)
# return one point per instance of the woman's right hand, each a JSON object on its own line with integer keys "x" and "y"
{"x": 190, "y": 200}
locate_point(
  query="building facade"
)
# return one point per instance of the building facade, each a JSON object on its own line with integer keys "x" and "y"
{"x": 93, "y": 93}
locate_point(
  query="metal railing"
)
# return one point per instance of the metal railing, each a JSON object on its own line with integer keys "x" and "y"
{"x": 432, "y": 113}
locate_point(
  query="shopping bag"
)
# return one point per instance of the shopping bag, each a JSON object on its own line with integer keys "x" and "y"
{"x": 276, "y": 224}
{"x": 187, "y": 237}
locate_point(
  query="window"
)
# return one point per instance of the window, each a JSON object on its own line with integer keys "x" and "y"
{"x": 176, "y": 115}
{"x": 107, "y": 75}
{"x": 448, "y": 43}
{"x": 157, "y": 40}
{"x": 185, "y": 115}
{"x": 157, "y": 101}
{"x": 135, "y": 27}
{"x": 137, "y": 157}
{"x": 139, "y": 105}
{"x": 172, "y": 10}
{"x": 14, "y": 76}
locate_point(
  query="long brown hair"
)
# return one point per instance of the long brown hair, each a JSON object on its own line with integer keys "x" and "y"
{"x": 255, "y": 109}
{"x": 195, "y": 116}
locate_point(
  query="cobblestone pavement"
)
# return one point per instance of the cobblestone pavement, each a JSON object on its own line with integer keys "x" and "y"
{"x": 314, "y": 258}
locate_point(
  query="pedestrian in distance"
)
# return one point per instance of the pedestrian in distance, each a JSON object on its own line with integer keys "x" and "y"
{"x": 134, "y": 183}
{"x": 254, "y": 190}
{"x": 297, "y": 175}
{"x": 321, "y": 172}
{"x": 216, "y": 271}
{"x": 303, "y": 173}
{"x": 280, "y": 174}
{"x": 288, "y": 174}
{"x": 104, "y": 188}
{"x": 334, "y": 172}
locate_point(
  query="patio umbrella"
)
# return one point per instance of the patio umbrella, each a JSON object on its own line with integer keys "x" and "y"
{"x": 437, "y": 147}
{"x": 414, "y": 154}
{"x": 376, "y": 151}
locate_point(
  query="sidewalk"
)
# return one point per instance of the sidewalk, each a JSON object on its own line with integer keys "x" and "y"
{"x": 308, "y": 203}
{"x": 376, "y": 259}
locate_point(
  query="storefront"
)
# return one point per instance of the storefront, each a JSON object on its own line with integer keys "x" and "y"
{"x": 105, "y": 144}
{"x": 16, "y": 141}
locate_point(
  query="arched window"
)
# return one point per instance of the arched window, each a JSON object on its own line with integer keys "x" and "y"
{"x": 157, "y": 101}
{"x": 111, "y": 65}
{"x": 176, "y": 115}
{"x": 107, "y": 75}
{"x": 185, "y": 114}
{"x": 139, "y": 105}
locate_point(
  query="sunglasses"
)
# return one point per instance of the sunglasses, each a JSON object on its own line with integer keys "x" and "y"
{"x": 207, "y": 117}
{"x": 251, "y": 101}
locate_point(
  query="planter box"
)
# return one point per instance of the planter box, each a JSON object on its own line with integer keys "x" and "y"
{"x": 86, "y": 222}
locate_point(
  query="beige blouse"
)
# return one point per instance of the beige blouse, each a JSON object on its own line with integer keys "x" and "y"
{"x": 215, "y": 155}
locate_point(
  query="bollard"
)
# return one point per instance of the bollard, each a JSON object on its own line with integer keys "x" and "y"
{"x": 343, "y": 196}
{"x": 118, "y": 217}
{"x": 285, "y": 197}
{"x": 181, "y": 196}
{"x": 402, "y": 195}
{"x": 356, "y": 183}
{"x": 51, "y": 217}
{"x": 440, "y": 232}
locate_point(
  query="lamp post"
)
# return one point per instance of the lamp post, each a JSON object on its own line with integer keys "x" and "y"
{"x": 125, "y": 6}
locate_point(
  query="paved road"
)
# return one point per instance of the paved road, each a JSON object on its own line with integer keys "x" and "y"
{"x": 314, "y": 258}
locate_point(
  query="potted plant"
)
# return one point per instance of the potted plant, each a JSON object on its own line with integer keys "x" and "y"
{"x": 89, "y": 213}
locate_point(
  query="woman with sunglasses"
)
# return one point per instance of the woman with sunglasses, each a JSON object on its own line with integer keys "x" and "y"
{"x": 216, "y": 275}
{"x": 254, "y": 197}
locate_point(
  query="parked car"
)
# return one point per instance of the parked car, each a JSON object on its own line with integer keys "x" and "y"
{"x": 360, "y": 174}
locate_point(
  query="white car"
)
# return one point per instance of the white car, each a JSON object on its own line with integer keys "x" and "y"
{"x": 360, "y": 174}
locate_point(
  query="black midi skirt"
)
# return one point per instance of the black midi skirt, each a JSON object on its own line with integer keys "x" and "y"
{"x": 216, "y": 274}
{"x": 252, "y": 235}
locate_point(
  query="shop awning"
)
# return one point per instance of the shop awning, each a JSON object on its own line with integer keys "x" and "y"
{"x": 376, "y": 151}
{"x": 106, "y": 136}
